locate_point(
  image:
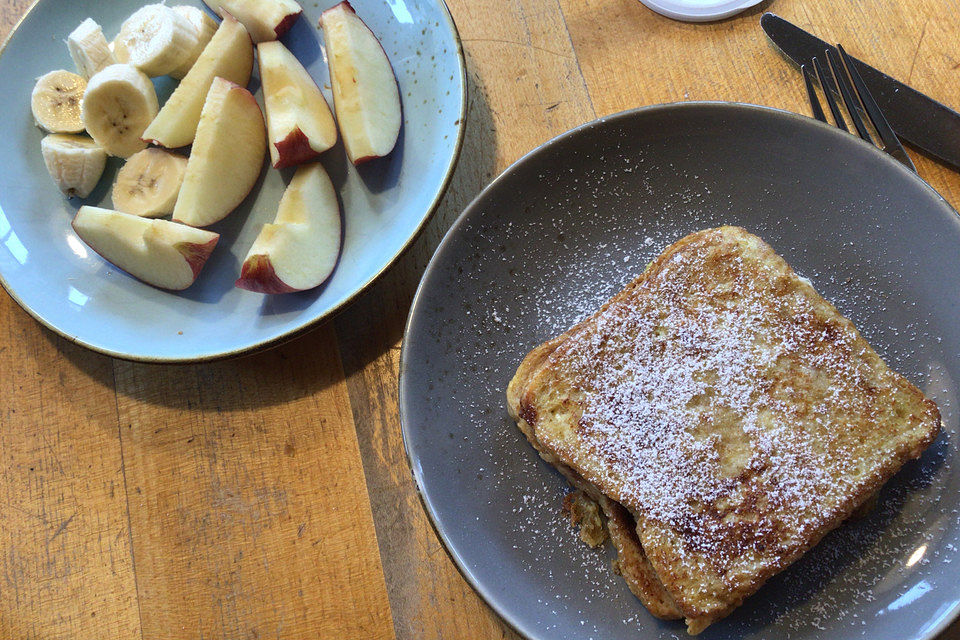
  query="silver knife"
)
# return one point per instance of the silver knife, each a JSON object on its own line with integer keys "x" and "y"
{"x": 920, "y": 120}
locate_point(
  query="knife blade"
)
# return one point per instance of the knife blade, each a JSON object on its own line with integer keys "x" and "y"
{"x": 916, "y": 118}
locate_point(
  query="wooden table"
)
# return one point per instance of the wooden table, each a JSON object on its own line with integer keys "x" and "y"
{"x": 270, "y": 497}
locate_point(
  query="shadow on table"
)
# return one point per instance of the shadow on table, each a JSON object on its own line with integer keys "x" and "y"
{"x": 756, "y": 10}
{"x": 374, "y": 322}
{"x": 299, "y": 368}
{"x": 94, "y": 365}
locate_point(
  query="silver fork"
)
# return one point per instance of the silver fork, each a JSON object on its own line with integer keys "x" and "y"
{"x": 854, "y": 92}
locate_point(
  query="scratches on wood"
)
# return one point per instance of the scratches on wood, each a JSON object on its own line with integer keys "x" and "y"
{"x": 248, "y": 505}
{"x": 270, "y": 497}
{"x": 63, "y": 526}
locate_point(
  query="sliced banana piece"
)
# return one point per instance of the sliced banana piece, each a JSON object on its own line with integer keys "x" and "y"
{"x": 119, "y": 50}
{"x": 56, "y": 100}
{"x": 205, "y": 25}
{"x": 202, "y": 21}
{"x": 89, "y": 49}
{"x": 74, "y": 162}
{"x": 149, "y": 183}
{"x": 119, "y": 103}
{"x": 157, "y": 40}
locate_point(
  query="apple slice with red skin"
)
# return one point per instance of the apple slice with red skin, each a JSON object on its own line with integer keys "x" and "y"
{"x": 226, "y": 158}
{"x": 299, "y": 250}
{"x": 291, "y": 150}
{"x": 159, "y": 252}
{"x": 300, "y": 125}
{"x": 229, "y": 55}
{"x": 258, "y": 275}
{"x": 265, "y": 19}
{"x": 365, "y": 92}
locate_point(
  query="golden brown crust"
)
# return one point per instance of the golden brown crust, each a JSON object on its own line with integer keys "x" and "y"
{"x": 723, "y": 371}
{"x": 633, "y": 564}
{"x": 584, "y": 514}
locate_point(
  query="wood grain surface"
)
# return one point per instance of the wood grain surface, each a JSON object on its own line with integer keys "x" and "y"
{"x": 270, "y": 497}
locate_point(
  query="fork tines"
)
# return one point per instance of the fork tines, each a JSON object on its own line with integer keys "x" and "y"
{"x": 844, "y": 79}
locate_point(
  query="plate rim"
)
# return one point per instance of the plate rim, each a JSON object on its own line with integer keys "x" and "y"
{"x": 313, "y": 323}
{"x": 402, "y": 404}
{"x": 675, "y": 9}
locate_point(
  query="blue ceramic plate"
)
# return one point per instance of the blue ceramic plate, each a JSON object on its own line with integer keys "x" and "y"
{"x": 572, "y": 222}
{"x": 70, "y": 289}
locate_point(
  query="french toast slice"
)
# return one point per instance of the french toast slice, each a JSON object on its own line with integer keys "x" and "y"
{"x": 730, "y": 409}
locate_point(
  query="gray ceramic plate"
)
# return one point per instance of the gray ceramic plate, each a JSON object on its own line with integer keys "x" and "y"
{"x": 565, "y": 228}
{"x": 70, "y": 289}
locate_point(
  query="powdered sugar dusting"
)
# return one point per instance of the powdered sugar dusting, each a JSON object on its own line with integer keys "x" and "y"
{"x": 722, "y": 399}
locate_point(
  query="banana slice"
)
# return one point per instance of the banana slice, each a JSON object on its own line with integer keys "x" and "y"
{"x": 205, "y": 26}
{"x": 119, "y": 103}
{"x": 89, "y": 49}
{"x": 119, "y": 50}
{"x": 202, "y": 21}
{"x": 56, "y": 100}
{"x": 149, "y": 183}
{"x": 157, "y": 40}
{"x": 74, "y": 162}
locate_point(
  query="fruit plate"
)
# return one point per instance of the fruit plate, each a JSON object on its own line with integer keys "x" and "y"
{"x": 566, "y": 227}
{"x": 70, "y": 289}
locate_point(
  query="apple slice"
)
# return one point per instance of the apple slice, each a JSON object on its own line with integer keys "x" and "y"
{"x": 299, "y": 123}
{"x": 226, "y": 158}
{"x": 365, "y": 92}
{"x": 300, "y": 248}
{"x": 229, "y": 55}
{"x": 159, "y": 252}
{"x": 264, "y": 19}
